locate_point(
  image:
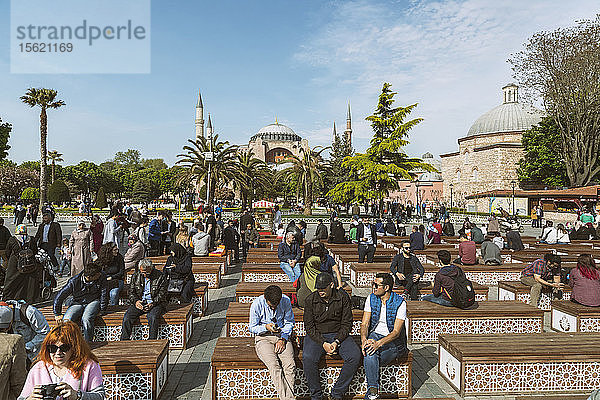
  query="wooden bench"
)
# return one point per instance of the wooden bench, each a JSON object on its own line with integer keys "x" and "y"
{"x": 246, "y": 292}
{"x": 567, "y": 316}
{"x": 522, "y": 292}
{"x": 238, "y": 317}
{"x": 160, "y": 261}
{"x": 237, "y": 373}
{"x": 176, "y": 325}
{"x": 546, "y": 363}
{"x": 135, "y": 370}
{"x": 263, "y": 273}
{"x": 426, "y": 320}
{"x": 209, "y": 273}
{"x": 559, "y": 397}
{"x": 199, "y": 301}
{"x": 345, "y": 260}
{"x": 426, "y": 287}
{"x": 262, "y": 258}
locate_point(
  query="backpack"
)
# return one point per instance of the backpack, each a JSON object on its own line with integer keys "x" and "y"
{"x": 463, "y": 295}
{"x": 26, "y": 262}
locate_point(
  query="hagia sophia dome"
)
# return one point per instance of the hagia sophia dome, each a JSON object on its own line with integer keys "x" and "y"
{"x": 278, "y": 132}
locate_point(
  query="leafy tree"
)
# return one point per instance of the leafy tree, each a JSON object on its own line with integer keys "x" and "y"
{"x": 31, "y": 165}
{"x": 88, "y": 177}
{"x": 543, "y": 161}
{"x": 154, "y": 163}
{"x": 130, "y": 159}
{"x": 58, "y": 192}
{"x": 145, "y": 190}
{"x": 7, "y": 163}
{"x": 562, "y": 67}
{"x": 252, "y": 174}
{"x": 55, "y": 157}
{"x": 45, "y": 99}
{"x": 195, "y": 166}
{"x": 307, "y": 169}
{"x": 375, "y": 173}
{"x": 5, "y": 129}
{"x": 14, "y": 179}
{"x": 340, "y": 149}
{"x": 30, "y": 193}
{"x": 100, "y": 200}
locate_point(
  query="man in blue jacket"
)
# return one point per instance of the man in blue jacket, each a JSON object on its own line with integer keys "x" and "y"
{"x": 154, "y": 233}
{"x": 382, "y": 331}
{"x": 90, "y": 296}
{"x": 289, "y": 255}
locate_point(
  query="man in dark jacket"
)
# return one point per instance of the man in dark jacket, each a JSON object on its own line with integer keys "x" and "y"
{"x": 231, "y": 240}
{"x": 321, "y": 231}
{"x": 477, "y": 234}
{"x": 443, "y": 284}
{"x": 328, "y": 322}
{"x": 513, "y": 240}
{"x": 49, "y": 237}
{"x": 90, "y": 296}
{"x": 147, "y": 295}
{"x": 245, "y": 219}
{"x": 367, "y": 240}
{"x": 338, "y": 234}
{"x": 4, "y": 236}
{"x": 407, "y": 270}
{"x": 289, "y": 255}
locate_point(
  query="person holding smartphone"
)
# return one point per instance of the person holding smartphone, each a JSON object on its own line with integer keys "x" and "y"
{"x": 382, "y": 330}
{"x": 272, "y": 321}
{"x": 147, "y": 295}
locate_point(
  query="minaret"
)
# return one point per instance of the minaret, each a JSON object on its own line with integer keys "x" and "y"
{"x": 199, "y": 117}
{"x": 348, "y": 131}
{"x": 334, "y": 131}
{"x": 209, "y": 128}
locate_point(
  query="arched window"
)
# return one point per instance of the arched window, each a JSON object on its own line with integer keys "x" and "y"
{"x": 466, "y": 157}
{"x": 458, "y": 175}
{"x": 475, "y": 175}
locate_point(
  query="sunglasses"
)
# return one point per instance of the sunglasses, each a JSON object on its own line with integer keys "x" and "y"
{"x": 377, "y": 285}
{"x": 52, "y": 348}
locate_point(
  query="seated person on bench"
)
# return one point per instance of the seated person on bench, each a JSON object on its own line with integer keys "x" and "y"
{"x": 289, "y": 254}
{"x": 490, "y": 252}
{"x": 90, "y": 296}
{"x": 328, "y": 322}
{"x": 407, "y": 270}
{"x": 272, "y": 321}
{"x": 147, "y": 295}
{"x": 382, "y": 330}
{"x": 443, "y": 283}
{"x": 467, "y": 251}
{"x": 585, "y": 281}
{"x": 542, "y": 272}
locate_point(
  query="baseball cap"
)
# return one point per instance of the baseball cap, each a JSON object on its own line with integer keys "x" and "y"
{"x": 6, "y": 316}
{"x": 323, "y": 280}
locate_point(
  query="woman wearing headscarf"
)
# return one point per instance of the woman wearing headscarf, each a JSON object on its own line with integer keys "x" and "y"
{"x": 21, "y": 285}
{"x": 135, "y": 252}
{"x": 179, "y": 271}
{"x": 81, "y": 245}
{"x": 306, "y": 281}
{"x": 97, "y": 227}
{"x": 113, "y": 266}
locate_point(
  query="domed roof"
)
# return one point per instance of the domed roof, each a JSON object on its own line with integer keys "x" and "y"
{"x": 277, "y": 131}
{"x": 511, "y": 116}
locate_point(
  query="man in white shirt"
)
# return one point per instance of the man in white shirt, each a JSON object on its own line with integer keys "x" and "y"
{"x": 382, "y": 334}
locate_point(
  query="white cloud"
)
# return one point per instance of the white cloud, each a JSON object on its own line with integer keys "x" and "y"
{"x": 450, "y": 56}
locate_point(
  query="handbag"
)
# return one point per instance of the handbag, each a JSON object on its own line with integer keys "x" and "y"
{"x": 175, "y": 286}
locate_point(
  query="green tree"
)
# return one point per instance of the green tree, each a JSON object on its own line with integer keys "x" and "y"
{"x": 45, "y": 99}
{"x": 252, "y": 174}
{"x": 154, "y": 163}
{"x": 130, "y": 159}
{"x": 307, "y": 169}
{"x": 30, "y": 165}
{"x": 30, "y": 193}
{"x": 375, "y": 173}
{"x": 100, "y": 200}
{"x": 195, "y": 165}
{"x": 145, "y": 190}
{"x": 543, "y": 162}
{"x": 5, "y": 129}
{"x": 55, "y": 157}
{"x": 340, "y": 149}
{"x": 58, "y": 192}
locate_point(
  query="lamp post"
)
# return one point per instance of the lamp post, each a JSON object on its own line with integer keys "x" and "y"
{"x": 417, "y": 193}
{"x": 513, "y": 184}
{"x": 451, "y": 203}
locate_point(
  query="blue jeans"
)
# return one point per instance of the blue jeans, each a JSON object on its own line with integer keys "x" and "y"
{"x": 437, "y": 300}
{"x": 292, "y": 273}
{"x": 114, "y": 294}
{"x": 311, "y": 355}
{"x": 65, "y": 265}
{"x": 87, "y": 313}
{"x": 382, "y": 357}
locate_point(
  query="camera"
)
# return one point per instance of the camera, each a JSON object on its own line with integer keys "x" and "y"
{"x": 49, "y": 391}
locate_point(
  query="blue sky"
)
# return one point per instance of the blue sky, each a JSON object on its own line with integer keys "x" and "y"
{"x": 301, "y": 61}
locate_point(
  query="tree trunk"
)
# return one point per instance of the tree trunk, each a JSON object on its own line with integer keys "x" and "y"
{"x": 52, "y": 171}
{"x": 43, "y": 154}
{"x": 308, "y": 199}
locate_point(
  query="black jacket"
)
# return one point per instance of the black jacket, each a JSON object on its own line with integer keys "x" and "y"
{"x": 231, "y": 237}
{"x": 246, "y": 219}
{"x": 116, "y": 270}
{"x": 54, "y": 234}
{"x": 338, "y": 234}
{"x": 322, "y": 317}
{"x": 83, "y": 292}
{"x": 158, "y": 287}
{"x": 360, "y": 232}
{"x": 287, "y": 252}
{"x": 398, "y": 265}
{"x": 448, "y": 229}
{"x": 4, "y": 236}
{"x": 321, "y": 232}
{"x": 180, "y": 270}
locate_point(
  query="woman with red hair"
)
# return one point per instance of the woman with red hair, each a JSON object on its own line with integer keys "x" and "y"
{"x": 65, "y": 360}
{"x": 585, "y": 281}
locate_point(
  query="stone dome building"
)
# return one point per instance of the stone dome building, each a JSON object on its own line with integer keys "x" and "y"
{"x": 488, "y": 156}
{"x": 275, "y": 142}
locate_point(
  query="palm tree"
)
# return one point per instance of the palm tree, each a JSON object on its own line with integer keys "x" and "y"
{"x": 55, "y": 157}
{"x": 306, "y": 170}
{"x": 45, "y": 99}
{"x": 252, "y": 173}
{"x": 195, "y": 165}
